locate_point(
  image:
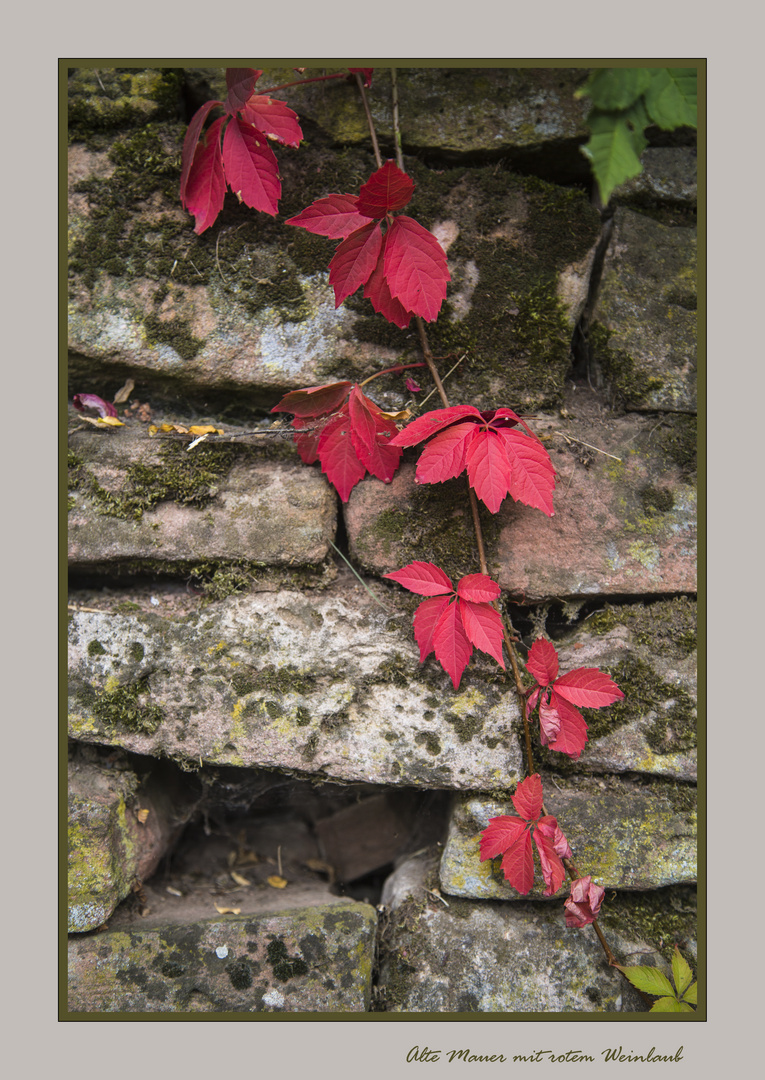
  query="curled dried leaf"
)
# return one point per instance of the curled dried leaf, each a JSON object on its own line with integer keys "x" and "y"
{"x": 228, "y": 910}
{"x": 277, "y": 882}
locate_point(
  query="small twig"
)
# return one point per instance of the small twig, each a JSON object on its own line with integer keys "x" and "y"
{"x": 446, "y": 376}
{"x": 279, "y": 859}
{"x": 570, "y": 438}
{"x": 396, "y": 128}
{"x": 370, "y": 121}
{"x": 217, "y": 263}
{"x": 363, "y": 583}
{"x": 438, "y": 896}
{"x": 93, "y": 610}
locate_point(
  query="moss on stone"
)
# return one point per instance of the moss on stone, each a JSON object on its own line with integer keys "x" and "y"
{"x": 119, "y": 706}
{"x": 95, "y": 648}
{"x": 667, "y": 627}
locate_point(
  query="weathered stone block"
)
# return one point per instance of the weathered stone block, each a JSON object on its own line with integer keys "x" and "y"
{"x": 627, "y": 836}
{"x": 306, "y": 960}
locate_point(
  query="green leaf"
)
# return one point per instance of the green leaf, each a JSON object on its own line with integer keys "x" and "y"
{"x": 671, "y": 97}
{"x": 690, "y": 994}
{"x": 616, "y": 88}
{"x": 637, "y": 120}
{"x": 613, "y": 151}
{"x": 648, "y": 979}
{"x": 670, "y": 1004}
{"x": 681, "y": 972}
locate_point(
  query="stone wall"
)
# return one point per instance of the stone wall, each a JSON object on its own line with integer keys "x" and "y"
{"x": 273, "y": 806}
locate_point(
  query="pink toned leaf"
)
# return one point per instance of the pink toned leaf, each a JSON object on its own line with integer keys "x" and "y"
{"x": 366, "y": 74}
{"x": 549, "y": 720}
{"x": 533, "y": 698}
{"x": 386, "y": 190}
{"x": 354, "y": 260}
{"x": 561, "y": 844}
{"x": 518, "y": 864}
{"x": 252, "y": 171}
{"x": 528, "y": 797}
{"x": 506, "y": 414}
{"x": 412, "y": 386}
{"x": 532, "y": 475}
{"x": 337, "y": 456}
{"x": 364, "y": 414}
{"x": 274, "y": 119}
{"x": 335, "y": 216}
{"x": 583, "y": 904}
{"x": 500, "y": 834}
{"x": 451, "y": 644}
{"x": 378, "y": 294}
{"x": 190, "y": 141}
{"x": 423, "y": 578}
{"x": 206, "y": 184}
{"x": 240, "y": 83}
{"x": 483, "y": 627}
{"x": 572, "y": 735}
{"x": 588, "y": 687}
{"x": 479, "y": 588}
{"x": 425, "y": 618}
{"x": 314, "y": 400}
{"x": 444, "y": 457}
{"x": 488, "y": 469}
{"x": 542, "y": 663}
{"x": 434, "y": 421}
{"x": 82, "y": 402}
{"x": 307, "y": 442}
{"x": 553, "y": 870}
{"x": 415, "y": 267}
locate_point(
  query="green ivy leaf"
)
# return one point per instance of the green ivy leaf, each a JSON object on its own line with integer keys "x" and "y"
{"x": 614, "y": 151}
{"x": 670, "y": 1004}
{"x": 648, "y": 979}
{"x": 616, "y": 88}
{"x": 670, "y": 97}
{"x": 690, "y": 994}
{"x": 681, "y": 972}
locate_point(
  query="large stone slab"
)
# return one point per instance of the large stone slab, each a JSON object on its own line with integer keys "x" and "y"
{"x": 644, "y": 329}
{"x": 153, "y": 501}
{"x": 624, "y": 522}
{"x": 481, "y": 957}
{"x": 313, "y": 959}
{"x": 626, "y": 835}
{"x": 328, "y": 685}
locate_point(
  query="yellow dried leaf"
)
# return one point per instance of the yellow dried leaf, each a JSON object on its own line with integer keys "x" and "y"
{"x": 277, "y": 882}
{"x": 396, "y": 416}
{"x": 102, "y": 421}
{"x": 142, "y": 815}
{"x": 239, "y": 879}
{"x": 204, "y": 429}
{"x": 228, "y": 910}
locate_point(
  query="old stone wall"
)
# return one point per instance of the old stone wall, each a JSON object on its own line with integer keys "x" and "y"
{"x": 273, "y": 805}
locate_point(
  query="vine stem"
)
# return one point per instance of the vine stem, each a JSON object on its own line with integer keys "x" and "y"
{"x": 370, "y": 121}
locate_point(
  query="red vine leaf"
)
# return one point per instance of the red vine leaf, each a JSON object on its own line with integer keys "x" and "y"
{"x": 315, "y": 400}
{"x": 205, "y": 188}
{"x": 354, "y": 260}
{"x": 542, "y": 663}
{"x": 275, "y": 119}
{"x": 190, "y": 144}
{"x": 588, "y": 687}
{"x": 338, "y": 457}
{"x": 366, "y": 74}
{"x": 240, "y": 83}
{"x": 584, "y": 901}
{"x": 251, "y": 169}
{"x": 415, "y": 268}
{"x": 478, "y": 588}
{"x": 386, "y": 190}
{"x": 423, "y": 578}
{"x": 483, "y": 627}
{"x": 451, "y": 644}
{"x": 379, "y": 295}
{"x": 335, "y": 217}
{"x": 425, "y": 619}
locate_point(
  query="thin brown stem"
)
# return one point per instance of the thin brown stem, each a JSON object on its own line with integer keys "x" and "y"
{"x": 430, "y": 362}
{"x": 396, "y": 128}
{"x": 370, "y": 121}
{"x": 391, "y": 371}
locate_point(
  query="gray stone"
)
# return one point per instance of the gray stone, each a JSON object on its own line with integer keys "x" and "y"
{"x": 647, "y": 307}
{"x": 312, "y": 959}
{"x": 626, "y": 835}
{"x": 329, "y": 684}
{"x": 139, "y": 499}
{"x": 669, "y": 177}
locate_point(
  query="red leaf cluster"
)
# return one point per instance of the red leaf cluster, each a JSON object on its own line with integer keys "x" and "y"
{"x": 243, "y": 160}
{"x": 453, "y": 620}
{"x": 401, "y": 266}
{"x": 511, "y": 837}
{"x": 562, "y": 726}
{"x": 583, "y": 904}
{"x": 342, "y": 428}
{"x": 499, "y": 460}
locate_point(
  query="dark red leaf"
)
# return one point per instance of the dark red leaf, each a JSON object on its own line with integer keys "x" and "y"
{"x": 518, "y": 864}
{"x": 584, "y": 902}
{"x": 206, "y": 184}
{"x": 553, "y": 870}
{"x": 542, "y": 663}
{"x": 190, "y": 141}
{"x": 572, "y": 735}
{"x": 528, "y": 797}
{"x": 386, "y": 190}
{"x": 377, "y": 292}
{"x": 445, "y": 456}
{"x": 335, "y": 217}
{"x": 83, "y": 402}
{"x": 307, "y": 442}
{"x": 425, "y": 618}
{"x": 380, "y": 457}
{"x": 251, "y": 169}
{"x": 451, "y": 644}
{"x": 364, "y": 414}
{"x": 479, "y": 588}
{"x": 549, "y": 720}
{"x": 366, "y": 74}
{"x": 274, "y": 119}
{"x": 483, "y": 627}
{"x": 488, "y": 469}
{"x": 415, "y": 267}
{"x": 588, "y": 687}
{"x": 411, "y": 385}
{"x": 354, "y": 260}
{"x": 315, "y": 400}
{"x": 240, "y": 83}
{"x": 337, "y": 456}
{"x": 423, "y": 578}
{"x": 531, "y": 478}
